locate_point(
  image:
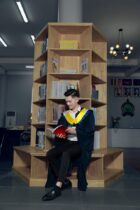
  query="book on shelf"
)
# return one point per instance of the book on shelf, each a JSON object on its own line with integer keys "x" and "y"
{"x": 68, "y": 71}
{"x": 96, "y": 140}
{"x": 59, "y": 87}
{"x": 41, "y": 114}
{"x": 95, "y": 93}
{"x": 59, "y": 131}
{"x": 42, "y": 91}
{"x": 55, "y": 65}
{"x": 68, "y": 44}
{"x": 40, "y": 140}
{"x": 57, "y": 110}
{"x": 84, "y": 65}
{"x": 43, "y": 69}
{"x": 44, "y": 45}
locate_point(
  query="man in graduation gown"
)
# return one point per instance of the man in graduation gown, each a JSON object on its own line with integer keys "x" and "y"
{"x": 76, "y": 147}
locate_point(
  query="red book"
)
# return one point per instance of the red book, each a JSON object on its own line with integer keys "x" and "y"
{"x": 60, "y": 130}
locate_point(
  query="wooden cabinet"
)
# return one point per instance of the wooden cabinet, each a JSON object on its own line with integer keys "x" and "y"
{"x": 69, "y": 55}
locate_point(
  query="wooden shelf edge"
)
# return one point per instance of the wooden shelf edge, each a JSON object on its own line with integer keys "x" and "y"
{"x": 97, "y": 80}
{"x": 33, "y": 151}
{"x": 109, "y": 176}
{"x": 40, "y": 102}
{"x": 70, "y": 76}
{"x": 42, "y": 34}
{"x": 105, "y": 152}
{"x": 68, "y": 24}
{"x": 98, "y": 56}
{"x": 41, "y": 57}
{"x": 41, "y": 80}
{"x": 38, "y": 125}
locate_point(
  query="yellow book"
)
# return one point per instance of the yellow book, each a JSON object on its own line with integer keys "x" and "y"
{"x": 68, "y": 44}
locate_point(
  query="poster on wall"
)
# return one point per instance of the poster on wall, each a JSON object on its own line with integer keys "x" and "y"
{"x": 127, "y": 91}
{"x": 126, "y": 87}
{"x": 136, "y": 92}
{"x": 117, "y": 91}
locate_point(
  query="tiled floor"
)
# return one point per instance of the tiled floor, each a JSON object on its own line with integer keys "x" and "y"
{"x": 123, "y": 194}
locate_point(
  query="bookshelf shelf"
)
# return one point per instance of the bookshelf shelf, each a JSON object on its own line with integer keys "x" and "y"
{"x": 70, "y": 76}
{"x": 39, "y": 125}
{"x": 42, "y": 57}
{"x": 41, "y": 80}
{"x": 40, "y": 102}
{"x": 69, "y": 55}
{"x": 97, "y": 103}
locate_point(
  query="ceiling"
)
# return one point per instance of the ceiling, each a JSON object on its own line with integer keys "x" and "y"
{"x": 107, "y": 15}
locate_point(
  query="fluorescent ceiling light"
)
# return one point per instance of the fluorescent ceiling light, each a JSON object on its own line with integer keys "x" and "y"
{"x": 33, "y": 38}
{"x": 3, "y": 42}
{"x": 20, "y": 7}
{"x": 29, "y": 67}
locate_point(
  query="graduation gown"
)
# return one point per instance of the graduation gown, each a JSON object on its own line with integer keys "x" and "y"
{"x": 85, "y": 134}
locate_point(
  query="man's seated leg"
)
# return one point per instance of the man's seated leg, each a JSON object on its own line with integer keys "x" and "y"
{"x": 73, "y": 150}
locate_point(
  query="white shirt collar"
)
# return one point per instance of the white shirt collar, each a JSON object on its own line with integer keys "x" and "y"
{"x": 79, "y": 108}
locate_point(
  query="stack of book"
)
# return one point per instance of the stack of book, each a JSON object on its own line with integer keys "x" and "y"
{"x": 41, "y": 114}
{"x": 59, "y": 88}
{"x": 58, "y": 109}
{"x": 44, "y": 45}
{"x": 95, "y": 93}
{"x": 55, "y": 65}
{"x": 84, "y": 65}
{"x": 42, "y": 91}
{"x": 43, "y": 69}
{"x": 40, "y": 140}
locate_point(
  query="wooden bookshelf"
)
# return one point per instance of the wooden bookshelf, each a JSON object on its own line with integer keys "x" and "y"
{"x": 83, "y": 66}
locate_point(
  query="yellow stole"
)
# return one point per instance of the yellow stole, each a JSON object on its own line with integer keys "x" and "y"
{"x": 76, "y": 120}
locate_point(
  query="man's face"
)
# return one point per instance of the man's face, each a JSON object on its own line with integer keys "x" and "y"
{"x": 71, "y": 102}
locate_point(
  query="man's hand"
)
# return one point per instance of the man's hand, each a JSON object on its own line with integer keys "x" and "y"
{"x": 61, "y": 136}
{"x": 71, "y": 130}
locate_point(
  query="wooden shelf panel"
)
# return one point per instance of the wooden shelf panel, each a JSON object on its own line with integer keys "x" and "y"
{"x": 42, "y": 57}
{"x": 39, "y": 125}
{"x": 52, "y": 123}
{"x": 40, "y": 102}
{"x": 108, "y": 175}
{"x": 70, "y": 76}
{"x": 99, "y": 127}
{"x": 97, "y": 58}
{"x": 105, "y": 152}
{"x": 96, "y": 103}
{"x": 96, "y": 80}
{"x": 69, "y": 52}
{"x": 43, "y": 34}
{"x": 41, "y": 80}
{"x": 70, "y": 27}
{"x": 33, "y": 151}
{"x": 62, "y": 100}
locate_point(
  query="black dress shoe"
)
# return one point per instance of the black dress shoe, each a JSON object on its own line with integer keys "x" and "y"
{"x": 51, "y": 195}
{"x": 67, "y": 184}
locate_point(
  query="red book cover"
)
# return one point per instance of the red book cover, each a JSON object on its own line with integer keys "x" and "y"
{"x": 60, "y": 130}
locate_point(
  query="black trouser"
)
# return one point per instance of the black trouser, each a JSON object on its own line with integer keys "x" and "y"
{"x": 60, "y": 158}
